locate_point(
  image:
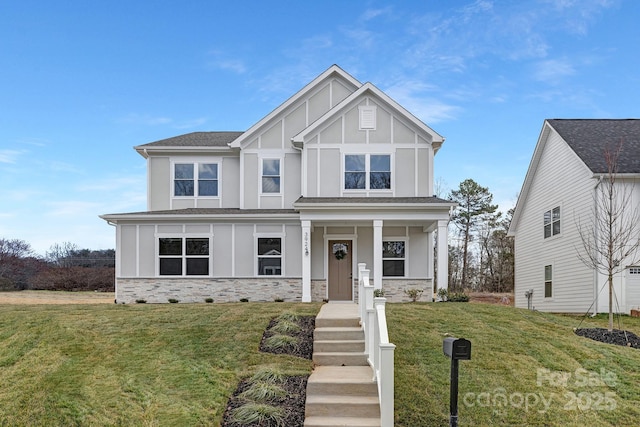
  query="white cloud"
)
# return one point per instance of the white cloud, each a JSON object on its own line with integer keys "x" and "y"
{"x": 553, "y": 70}
{"x": 145, "y": 119}
{"x": 10, "y": 156}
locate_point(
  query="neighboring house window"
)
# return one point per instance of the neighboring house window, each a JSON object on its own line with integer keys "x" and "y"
{"x": 271, "y": 175}
{"x": 184, "y": 257}
{"x": 552, "y": 222}
{"x": 393, "y": 258}
{"x": 186, "y": 184}
{"x": 269, "y": 256}
{"x": 367, "y": 172}
{"x": 548, "y": 282}
{"x": 634, "y": 270}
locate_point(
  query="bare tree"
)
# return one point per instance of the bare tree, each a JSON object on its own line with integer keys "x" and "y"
{"x": 612, "y": 236}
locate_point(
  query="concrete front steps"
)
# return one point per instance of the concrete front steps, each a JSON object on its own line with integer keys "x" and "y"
{"x": 340, "y": 390}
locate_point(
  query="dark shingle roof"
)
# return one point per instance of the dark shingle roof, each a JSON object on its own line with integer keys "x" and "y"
{"x": 589, "y": 138}
{"x": 364, "y": 200}
{"x": 197, "y": 139}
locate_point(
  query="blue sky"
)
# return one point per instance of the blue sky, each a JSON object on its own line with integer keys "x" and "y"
{"x": 82, "y": 82}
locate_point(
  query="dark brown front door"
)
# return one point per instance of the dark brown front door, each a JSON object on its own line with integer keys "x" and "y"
{"x": 340, "y": 270}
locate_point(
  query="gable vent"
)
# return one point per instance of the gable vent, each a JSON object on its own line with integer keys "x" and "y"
{"x": 367, "y": 117}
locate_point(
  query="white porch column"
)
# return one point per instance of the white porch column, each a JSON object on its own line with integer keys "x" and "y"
{"x": 377, "y": 254}
{"x": 306, "y": 261}
{"x": 430, "y": 253}
{"x": 443, "y": 255}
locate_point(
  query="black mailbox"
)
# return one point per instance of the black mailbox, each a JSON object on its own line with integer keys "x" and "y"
{"x": 457, "y": 348}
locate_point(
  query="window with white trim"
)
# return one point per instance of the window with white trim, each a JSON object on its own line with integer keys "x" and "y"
{"x": 190, "y": 179}
{"x": 548, "y": 281}
{"x": 552, "y": 222}
{"x": 367, "y": 172}
{"x": 634, "y": 270}
{"x": 271, "y": 175}
{"x": 269, "y": 256}
{"x": 184, "y": 256}
{"x": 393, "y": 258}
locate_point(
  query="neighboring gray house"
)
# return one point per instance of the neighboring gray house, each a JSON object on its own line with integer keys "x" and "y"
{"x": 558, "y": 192}
{"x": 336, "y": 175}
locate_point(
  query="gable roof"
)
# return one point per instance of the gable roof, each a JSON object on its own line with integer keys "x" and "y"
{"x": 589, "y": 138}
{"x": 333, "y": 71}
{"x": 196, "y": 139}
{"x": 433, "y": 137}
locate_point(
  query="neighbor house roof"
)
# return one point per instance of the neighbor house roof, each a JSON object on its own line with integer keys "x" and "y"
{"x": 590, "y": 138}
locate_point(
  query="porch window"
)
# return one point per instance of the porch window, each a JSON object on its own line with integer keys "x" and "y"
{"x": 189, "y": 256}
{"x": 393, "y": 258}
{"x": 271, "y": 175}
{"x": 552, "y": 222}
{"x": 269, "y": 256}
{"x": 548, "y": 282}
{"x": 367, "y": 172}
{"x": 185, "y": 183}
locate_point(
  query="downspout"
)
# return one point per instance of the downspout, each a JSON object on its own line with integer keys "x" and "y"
{"x": 595, "y": 238}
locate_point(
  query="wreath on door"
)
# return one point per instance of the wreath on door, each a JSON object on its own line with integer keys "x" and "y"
{"x": 340, "y": 250}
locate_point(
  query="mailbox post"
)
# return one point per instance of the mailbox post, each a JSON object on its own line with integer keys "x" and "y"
{"x": 456, "y": 349}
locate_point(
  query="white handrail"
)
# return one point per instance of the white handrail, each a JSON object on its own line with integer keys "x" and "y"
{"x": 379, "y": 351}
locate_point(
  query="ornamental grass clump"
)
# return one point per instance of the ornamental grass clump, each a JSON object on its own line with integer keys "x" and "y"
{"x": 263, "y": 392}
{"x": 289, "y": 316}
{"x": 258, "y": 414}
{"x": 281, "y": 342}
{"x": 285, "y": 327}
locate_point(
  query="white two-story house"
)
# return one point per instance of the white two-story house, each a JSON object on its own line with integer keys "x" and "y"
{"x": 337, "y": 175}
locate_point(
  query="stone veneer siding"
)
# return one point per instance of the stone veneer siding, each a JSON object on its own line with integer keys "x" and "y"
{"x": 394, "y": 289}
{"x": 160, "y": 290}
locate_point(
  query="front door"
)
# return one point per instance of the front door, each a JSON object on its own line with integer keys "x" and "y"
{"x": 340, "y": 270}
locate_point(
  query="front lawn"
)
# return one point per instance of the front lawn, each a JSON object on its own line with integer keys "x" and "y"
{"x": 177, "y": 364}
{"x": 526, "y": 368}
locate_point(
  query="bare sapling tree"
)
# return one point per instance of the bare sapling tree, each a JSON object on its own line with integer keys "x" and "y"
{"x": 611, "y": 239}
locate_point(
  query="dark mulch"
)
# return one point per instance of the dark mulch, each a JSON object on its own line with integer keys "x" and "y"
{"x": 296, "y": 386}
{"x": 304, "y": 348}
{"x": 293, "y": 404}
{"x": 617, "y": 337}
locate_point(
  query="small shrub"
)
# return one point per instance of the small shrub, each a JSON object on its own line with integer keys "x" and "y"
{"x": 141, "y": 301}
{"x": 285, "y": 327}
{"x": 280, "y": 342}
{"x": 413, "y": 293}
{"x": 258, "y": 414}
{"x": 244, "y": 299}
{"x": 443, "y": 294}
{"x": 459, "y": 297}
{"x": 278, "y": 300}
{"x": 208, "y": 300}
{"x": 289, "y": 316}
{"x": 263, "y": 392}
{"x": 378, "y": 293}
{"x": 173, "y": 300}
{"x": 267, "y": 375}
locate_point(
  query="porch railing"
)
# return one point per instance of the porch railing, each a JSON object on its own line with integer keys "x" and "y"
{"x": 379, "y": 351}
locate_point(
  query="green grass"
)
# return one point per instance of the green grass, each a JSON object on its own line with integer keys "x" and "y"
{"x": 177, "y": 364}
{"x": 510, "y": 350}
{"x": 173, "y": 364}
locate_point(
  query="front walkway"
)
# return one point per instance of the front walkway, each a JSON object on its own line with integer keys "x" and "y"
{"x": 341, "y": 390}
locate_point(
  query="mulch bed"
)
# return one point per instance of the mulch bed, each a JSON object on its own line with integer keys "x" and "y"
{"x": 617, "y": 337}
{"x": 296, "y": 386}
{"x": 293, "y": 404}
{"x": 304, "y": 348}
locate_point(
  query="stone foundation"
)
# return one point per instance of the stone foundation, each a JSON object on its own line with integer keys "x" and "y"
{"x": 155, "y": 290}
{"x": 394, "y": 289}
{"x": 318, "y": 290}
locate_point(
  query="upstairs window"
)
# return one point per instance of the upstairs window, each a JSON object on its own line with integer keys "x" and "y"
{"x": 269, "y": 256}
{"x": 367, "y": 172}
{"x": 393, "y": 258}
{"x": 552, "y": 222}
{"x": 180, "y": 257}
{"x": 190, "y": 179}
{"x": 271, "y": 175}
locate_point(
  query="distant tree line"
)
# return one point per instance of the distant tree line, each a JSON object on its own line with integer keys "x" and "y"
{"x": 481, "y": 255}
{"x": 64, "y": 267}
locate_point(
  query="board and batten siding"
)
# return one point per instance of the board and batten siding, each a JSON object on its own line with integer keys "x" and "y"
{"x": 411, "y": 155}
{"x": 234, "y": 252}
{"x": 563, "y": 180}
